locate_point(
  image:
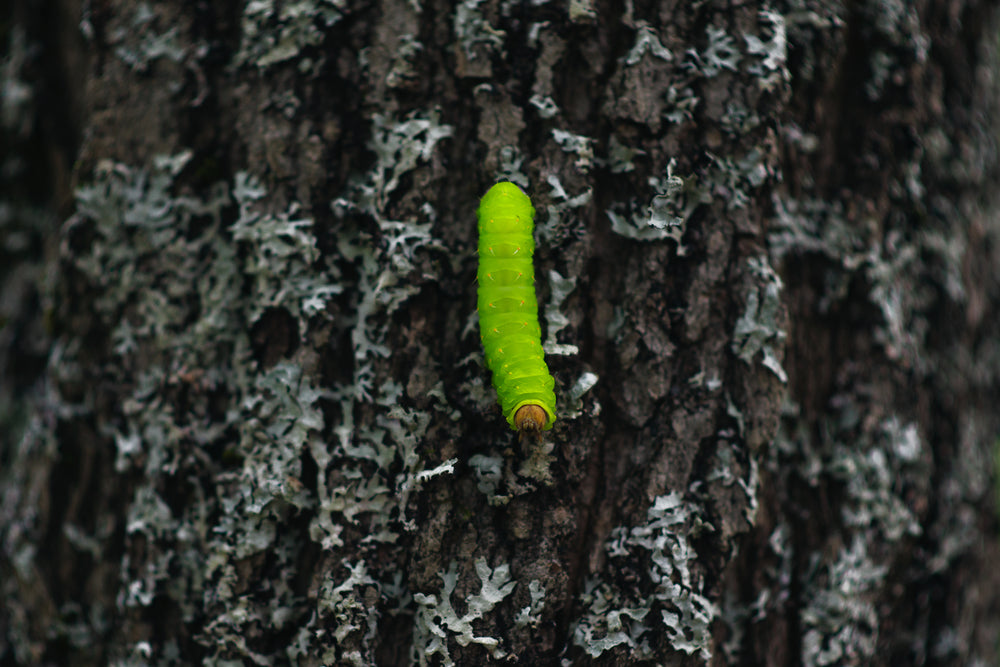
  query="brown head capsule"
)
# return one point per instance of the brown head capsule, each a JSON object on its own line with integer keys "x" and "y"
{"x": 530, "y": 420}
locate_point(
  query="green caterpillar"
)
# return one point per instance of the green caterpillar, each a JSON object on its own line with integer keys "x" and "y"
{"x": 508, "y": 310}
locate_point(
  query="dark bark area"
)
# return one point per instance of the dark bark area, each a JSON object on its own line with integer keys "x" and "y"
{"x": 244, "y": 409}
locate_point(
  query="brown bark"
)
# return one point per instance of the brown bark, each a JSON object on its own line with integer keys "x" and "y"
{"x": 264, "y": 432}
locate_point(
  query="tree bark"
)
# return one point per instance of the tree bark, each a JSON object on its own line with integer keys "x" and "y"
{"x": 245, "y": 410}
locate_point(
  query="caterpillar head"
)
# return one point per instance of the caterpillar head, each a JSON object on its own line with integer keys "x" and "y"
{"x": 530, "y": 420}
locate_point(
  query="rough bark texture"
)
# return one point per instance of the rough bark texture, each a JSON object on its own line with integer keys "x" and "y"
{"x": 245, "y": 418}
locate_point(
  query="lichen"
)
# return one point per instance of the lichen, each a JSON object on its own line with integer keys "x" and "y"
{"x": 398, "y": 146}
{"x": 773, "y": 53}
{"x": 531, "y": 615}
{"x": 720, "y": 54}
{"x": 896, "y": 268}
{"x": 582, "y": 11}
{"x": 147, "y": 44}
{"x": 489, "y": 476}
{"x": 872, "y": 482}
{"x": 726, "y": 472}
{"x": 572, "y": 405}
{"x": 552, "y": 228}
{"x": 658, "y": 555}
{"x": 473, "y": 30}
{"x": 898, "y": 42}
{"x": 179, "y": 289}
{"x": 349, "y": 601}
{"x": 577, "y": 144}
{"x": 547, "y": 107}
{"x": 437, "y": 622}
{"x": 18, "y": 96}
{"x": 280, "y": 256}
{"x": 560, "y": 289}
{"x": 840, "y": 623}
{"x": 681, "y": 103}
{"x": 880, "y": 467}
{"x": 512, "y": 166}
{"x": 647, "y": 41}
{"x": 404, "y": 71}
{"x": 758, "y": 328}
{"x": 274, "y": 32}
{"x": 667, "y": 214}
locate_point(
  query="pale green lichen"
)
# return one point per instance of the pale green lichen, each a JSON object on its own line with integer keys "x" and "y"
{"x": 560, "y": 289}
{"x": 577, "y": 144}
{"x": 152, "y": 45}
{"x": 571, "y": 406}
{"x": 891, "y": 271}
{"x": 547, "y": 107}
{"x": 872, "y": 467}
{"x": 839, "y": 619}
{"x": 280, "y": 257}
{"x": 582, "y": 11}
{"x": 647, "y": 41}
{"x": 880, "y": 467}
{"x": 404, "y": 69}
{"x": 552, "y": 229}
{"x": 667, "y": 214}
{"x": 489, "y": 477}
{"x": 149, "y": 239}
{"x": 773, "y": 53}
{"x": 871, "y": 480}
{"x": 659, "y": 554}
{"x": 764, "y": 59}
{"x": 437, "y": 623}
{"x": 739, "y": 177}
{"x": 896, "y": 268}
{"x": 720, "y": 54}
{"x": 681, "y": 103}
{"x": 275, "y": 32}
{"x": 898, "y": 42}
{"x": 398, "y": 146}
{"x": 143, "y": 238}
{"x": 349, "y": 601}
{"x": 807, "y": 225}
{"x": 25, "y": 276}
{"x": 472, "y": 29}
{"x": 605, "y": 627}
{"x": 137, "y": 218}
{"x": 512, "y": 167}
{"x": 531, "y": 615}
{"x": 726, "y": 472}
{"x": 738, "y": 120}
{"x": 758, "y": 329}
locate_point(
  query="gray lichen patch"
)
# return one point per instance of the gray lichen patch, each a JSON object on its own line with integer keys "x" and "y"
{"x": 667, "y": 214}
{"x": 879, "y": 468}
{"x": 280, "y": 256}
{"x": 274, "y": 32}
{"x": 437, "y": 623}
{"x": 262, "y": 442}
{"x": 666, "y": 595}
{"x": 759, "y": 327}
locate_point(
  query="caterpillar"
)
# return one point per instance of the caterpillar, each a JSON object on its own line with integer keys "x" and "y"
{"x": 508, "y": 310}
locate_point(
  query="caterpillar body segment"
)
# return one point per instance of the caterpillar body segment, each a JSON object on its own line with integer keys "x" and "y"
{"x": 508, "y": 310}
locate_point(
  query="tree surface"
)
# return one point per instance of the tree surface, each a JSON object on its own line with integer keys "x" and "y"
{"x": 244, "y": 411}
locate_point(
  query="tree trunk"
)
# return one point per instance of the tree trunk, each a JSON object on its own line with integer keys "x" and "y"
{"x": 246, "y": 417}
